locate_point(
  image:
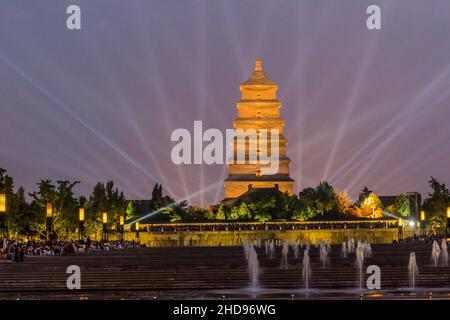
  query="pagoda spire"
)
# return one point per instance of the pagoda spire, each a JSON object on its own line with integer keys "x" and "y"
{"x": 258, "y": 64}
{"x": 258, "y": 77}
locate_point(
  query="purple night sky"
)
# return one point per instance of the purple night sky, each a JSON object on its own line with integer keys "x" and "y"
{"x": 361, "y": 107}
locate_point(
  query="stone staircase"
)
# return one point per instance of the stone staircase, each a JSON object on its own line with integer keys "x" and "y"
{"x": 213, "y": 273}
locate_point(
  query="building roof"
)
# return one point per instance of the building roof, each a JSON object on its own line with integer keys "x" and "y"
{"x": 259, "y": 77}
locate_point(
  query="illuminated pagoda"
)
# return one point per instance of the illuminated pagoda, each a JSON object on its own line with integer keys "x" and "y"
{"x": 258, "y": 109}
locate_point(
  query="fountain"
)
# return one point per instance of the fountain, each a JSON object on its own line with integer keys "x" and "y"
{"x": 413, "y": 270}
{"x": 328, "y": 248}
{"x": 351, "y": 246}
{"x": 308, "y": 245}
{"x": 266, "y": 247}
{"x": 359, "y": 263}
{"x": 444, "y": 253}
{"x": 245, "y": 245}
{"x": 271, "y": 249}
{"x": 344, "y": 250}
{"x": 296, "y": 250}
{"x": 253, "y": 267}
{"x": 306, "y": 273}
{"x": 367, "y": 249}
{"x": 323, "y": 256}
{"x": 435, "y": 253}
{"x": 284, "y": 254}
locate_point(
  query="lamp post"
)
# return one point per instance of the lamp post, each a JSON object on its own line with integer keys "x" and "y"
{"x": 423, "y": 223}
{"x": 400, "y": 229}
{"x": 3, "y": 217}
{"x": 48, "y": 219}
{"x": 105, "y": 226}
{"x": 122, "y": 227}
{"x": 81, "y": 223}
{"x": 448, "y": 221}
{"x": 137, "y": 227}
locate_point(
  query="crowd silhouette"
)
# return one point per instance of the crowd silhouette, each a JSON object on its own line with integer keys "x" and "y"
{"x": 265, "y": 226}
{"x": 15, "y": 251}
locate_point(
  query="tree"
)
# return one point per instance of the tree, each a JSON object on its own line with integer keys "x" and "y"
{"x": 402, "y": 205}
{"x": 209, "y": 215}
{"x": 344, "y": 204}
{"x": 176, "y": 211}
{"x": 306, "y": 205}
{"x": 244, "y": 212}
{"x": 65, "y": 218}
{"x": 325, "y": 197}
{"x": 104, "y": 198}
{"x": 263, "y": 217}
{"x": 221, "y": 214}
{"x": 371, "y": 207}
{"x": 23, "y": 220}
{"x": 365, "y": 192}
{"x": 158, "y": 200}
{"x": 6, "y": 184}
{"x": 65, "y": 205}
{"x": 436, "y": 203}
{"x": 234, "y": 214}
{"x": 263, "y": 207}
{"x": 392, "y": 209}
{"x": 172, "y": 214}
{"x": 130, "y": 211}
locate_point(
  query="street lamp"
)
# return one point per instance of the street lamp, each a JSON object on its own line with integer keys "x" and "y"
{"x": 3, "y": 221}
{"x": 105, "y": 225}
{"x": 137, "y": 227}
{"x": 423, "y": 223}
{"x": 448, "y": 221}
{"x": 2, "y": 202}
{"x": 122, "y": 227}
{"x": 400, "y": 229}
{"x": 81, "y": 222}
{"x": 49, "y": 218}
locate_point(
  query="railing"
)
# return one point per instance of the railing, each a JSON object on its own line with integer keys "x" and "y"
{"x": 272, "y": 225}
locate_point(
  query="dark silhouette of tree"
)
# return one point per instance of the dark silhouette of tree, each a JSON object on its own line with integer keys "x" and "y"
{"x": 436, "y": 203}
{"x": 365, "y": 192}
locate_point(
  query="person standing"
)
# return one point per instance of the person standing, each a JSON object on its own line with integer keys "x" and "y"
{"x": 21, "y": 254}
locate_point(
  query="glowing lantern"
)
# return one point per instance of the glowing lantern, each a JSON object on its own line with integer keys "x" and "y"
{"x": 49, "y": 210}
{"x": 422, "y": 215}
{"x": 400, "y": 222}
{"x": 105, "y": 218}
{"x": 137, "y": 226}
{"x": 2, "y": 203}
{"x": 81, "y": 214}
{"x": 122, "y": 220}
{"x": 448, "y": 212}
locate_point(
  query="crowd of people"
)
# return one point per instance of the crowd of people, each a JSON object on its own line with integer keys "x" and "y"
{"x": 423, "y": 239}
{"x": 15, "y": 251}
{"x": 267, "y": 226}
